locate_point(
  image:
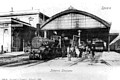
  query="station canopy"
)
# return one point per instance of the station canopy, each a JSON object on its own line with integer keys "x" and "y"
{"x": 74, "y": 19}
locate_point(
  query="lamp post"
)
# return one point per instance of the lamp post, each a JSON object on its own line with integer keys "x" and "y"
{"x": 2, "y": 48}
{"x": 79, "y": 33}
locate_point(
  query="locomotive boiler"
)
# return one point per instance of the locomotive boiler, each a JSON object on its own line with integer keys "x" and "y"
{"x": 43, "y": 48}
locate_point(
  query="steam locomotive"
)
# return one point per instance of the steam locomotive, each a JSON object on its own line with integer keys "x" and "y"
{"x": 43, "y": 48}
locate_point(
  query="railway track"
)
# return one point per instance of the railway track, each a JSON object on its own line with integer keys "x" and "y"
{"x": 16, "y": 61}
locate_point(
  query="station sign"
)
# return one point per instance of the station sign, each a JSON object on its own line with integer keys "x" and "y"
{"x": 4, "y": 25}
{"x": 16, "y": 25}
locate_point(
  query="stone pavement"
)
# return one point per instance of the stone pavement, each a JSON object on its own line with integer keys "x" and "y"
{"x": 12, "y": 54}
{"x": 75, "y": 62}
{"x": 103, "y": 59}
{"x": 112, "y": 58}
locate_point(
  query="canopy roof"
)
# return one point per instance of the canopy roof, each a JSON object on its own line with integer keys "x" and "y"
{"x": 75, "y": 11}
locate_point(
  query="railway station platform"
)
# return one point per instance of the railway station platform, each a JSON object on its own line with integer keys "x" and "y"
{"x": 113, "y": 58}
{"x": 106, "y": 58}
{"x": 13, "y": 54}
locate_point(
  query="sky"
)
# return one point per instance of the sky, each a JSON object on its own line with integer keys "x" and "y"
{"x": 104, "y": 9}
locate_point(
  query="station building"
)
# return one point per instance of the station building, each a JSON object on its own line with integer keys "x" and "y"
{"x": 14, "y": 34}
{"x": 76, "y": 26}
{"x": 18, "y": 28}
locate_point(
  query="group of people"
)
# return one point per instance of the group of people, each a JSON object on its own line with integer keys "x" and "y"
{"x": 83, "y": 51}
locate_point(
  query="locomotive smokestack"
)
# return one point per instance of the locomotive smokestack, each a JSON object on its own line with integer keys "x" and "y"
{"x": 38, "y": 29}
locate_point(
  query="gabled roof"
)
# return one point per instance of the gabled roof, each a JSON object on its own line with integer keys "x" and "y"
{"x": 20, "y": 22}
{"x": 77, "y": 12}
{"x": 12, "y": 21}
{"x": 113, "y": 36}
{"x": 115, "y": 40}
{"x": 23, "y": 13}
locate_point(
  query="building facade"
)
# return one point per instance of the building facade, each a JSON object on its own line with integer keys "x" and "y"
{"x": 14, "y": 34}
{"x": 18, "y": 28}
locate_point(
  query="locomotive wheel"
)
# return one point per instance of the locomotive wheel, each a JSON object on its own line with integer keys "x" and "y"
{"x": 31, "y": 57}
{"x": 40, "y": 56}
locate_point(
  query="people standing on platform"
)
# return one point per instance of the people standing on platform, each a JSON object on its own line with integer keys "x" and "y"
{"x": 82, "y": 49}
{"x": 77, "y": 51}
{"x": 69, "y": 52}
{"x": 91, "y": 49}
{"x": 86, "y": 52}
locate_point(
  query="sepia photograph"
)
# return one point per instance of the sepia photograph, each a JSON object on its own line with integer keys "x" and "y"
{"x": 59, "y": 40}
